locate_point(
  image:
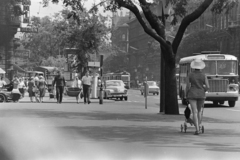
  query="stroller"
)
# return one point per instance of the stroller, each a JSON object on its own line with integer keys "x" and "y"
{"x": 188, "y": 120}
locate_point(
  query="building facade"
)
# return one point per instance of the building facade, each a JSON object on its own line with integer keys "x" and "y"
{"x": 10, "y": 21}
{"x": 12, "y": 14}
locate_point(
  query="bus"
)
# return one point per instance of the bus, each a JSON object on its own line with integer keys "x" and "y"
{"x": 124, "y": 76}
{"x": 222, "y": 74}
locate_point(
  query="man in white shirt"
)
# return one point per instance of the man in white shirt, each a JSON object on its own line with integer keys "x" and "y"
{"x": 86, "y": 83}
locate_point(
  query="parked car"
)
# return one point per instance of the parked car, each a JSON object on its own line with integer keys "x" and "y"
{"x": 153, "y": 88}
{"x": 115, "y": 89}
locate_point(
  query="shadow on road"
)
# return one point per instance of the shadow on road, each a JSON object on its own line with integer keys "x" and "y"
{"x": 102, "y": 116}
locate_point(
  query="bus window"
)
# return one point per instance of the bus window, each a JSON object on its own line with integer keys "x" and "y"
{"x": 210, "y": 68}
{"x": 227, "y": 67}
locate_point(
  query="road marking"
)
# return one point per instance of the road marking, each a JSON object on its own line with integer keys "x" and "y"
{"x": 131, "y": 101}
{"x": 233, "y": 110}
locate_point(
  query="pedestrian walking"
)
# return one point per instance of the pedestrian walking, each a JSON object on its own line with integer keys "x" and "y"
{"x": 86, "y": 84}
{"x": 59, "y": 80}
{"x": 77, "y": 83}
{"x": 197, "y": 85}
{"x": 15, "y": 91}
{"x": 30, "y": 88}
{"x": 36, "y": 79}
{"x": 21, "y": 86}
{"x": 35, "y": 89}
{"x": 42, "y": 88}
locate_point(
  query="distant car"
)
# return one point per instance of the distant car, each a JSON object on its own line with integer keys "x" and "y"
{"x": 115, "y": 89}
{"x": 153, "y": 88}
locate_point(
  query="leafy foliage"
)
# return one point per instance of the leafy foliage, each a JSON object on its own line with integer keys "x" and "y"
{"x": 58, "y": 62}
{"x": 55, "y": 34}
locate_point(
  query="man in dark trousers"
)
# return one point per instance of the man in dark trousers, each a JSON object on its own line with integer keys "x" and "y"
{"x": 59, "y": 80}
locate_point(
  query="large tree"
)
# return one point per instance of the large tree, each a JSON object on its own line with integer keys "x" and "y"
{"x": 154, "y": 25}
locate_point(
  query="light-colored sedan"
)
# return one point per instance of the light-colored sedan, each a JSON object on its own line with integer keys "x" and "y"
{"x": 153, "y": 88}
{"x": 115, "y": 89}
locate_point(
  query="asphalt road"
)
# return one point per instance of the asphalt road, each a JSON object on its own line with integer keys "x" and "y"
{"x": 116, "y": 130}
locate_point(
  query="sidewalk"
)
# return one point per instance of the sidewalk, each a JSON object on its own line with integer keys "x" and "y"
{"x": 66, "y": 98}
{"x": 112, "y": 131}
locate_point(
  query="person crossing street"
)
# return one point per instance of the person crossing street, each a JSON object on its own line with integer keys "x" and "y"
{"x": 59, "y": 80}
{"x": 86, "y": 85}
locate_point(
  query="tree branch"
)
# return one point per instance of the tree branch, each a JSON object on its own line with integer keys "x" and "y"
{"x": 132, "y": 7}
{"x": 153, "y": 19}
{"x": 186, "y": 22}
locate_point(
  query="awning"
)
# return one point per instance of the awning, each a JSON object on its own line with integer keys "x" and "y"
{"x": 17, "y": 68}
{"x": 43, "y": 68}
{"x": 2, "y": 71}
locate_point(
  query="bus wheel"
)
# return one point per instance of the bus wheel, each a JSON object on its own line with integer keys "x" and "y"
{"x": 105, "y": 96}
{"x": 231, "y": 103}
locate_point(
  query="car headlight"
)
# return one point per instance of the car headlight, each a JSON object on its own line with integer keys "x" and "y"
{"x": 233, "y": 87}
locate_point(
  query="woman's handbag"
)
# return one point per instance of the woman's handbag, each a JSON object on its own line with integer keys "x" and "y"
{"x": 81, "y": 94}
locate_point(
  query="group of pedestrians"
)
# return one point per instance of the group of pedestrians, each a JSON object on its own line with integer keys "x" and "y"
{"x": 36, "y": 87}
{"x": 83, "y": 85}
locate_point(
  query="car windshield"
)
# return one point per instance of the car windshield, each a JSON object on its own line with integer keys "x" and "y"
{"x": 227, "y": 67}
{"x": 220, "y": 67}
{"x": 113, "y": 83}
{"x": 210, "y": 68}
{"x": 151, "y": 83}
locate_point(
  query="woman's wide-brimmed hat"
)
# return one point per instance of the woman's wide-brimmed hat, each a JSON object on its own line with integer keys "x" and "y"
{"x": 40, "y": 77}
{"x": 197, "y": 64}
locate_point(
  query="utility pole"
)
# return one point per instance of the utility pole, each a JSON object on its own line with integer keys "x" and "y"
{"x": 101, "y": 86}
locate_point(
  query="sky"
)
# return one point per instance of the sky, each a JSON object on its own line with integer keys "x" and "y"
{"x": 37, "y": 9}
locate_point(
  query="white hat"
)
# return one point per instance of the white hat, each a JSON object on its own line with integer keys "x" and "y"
{"x": 40, "y": 77}
{"x": 197, "y": 64}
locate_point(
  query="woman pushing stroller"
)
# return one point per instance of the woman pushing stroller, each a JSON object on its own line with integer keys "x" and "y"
{"x": 197, "y": 85}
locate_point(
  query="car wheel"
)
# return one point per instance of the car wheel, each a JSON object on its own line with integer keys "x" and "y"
{"x": 125, "y": 98}
{"x": 221, "y": 102}
{"x": 157, "y": 93}
{"x": 153, "y": 93}
{"x": 2, "y": 98}
{"x": 215, "y": 103}
{"x": 231, "y": 103}
{"x": 121, "y": 98}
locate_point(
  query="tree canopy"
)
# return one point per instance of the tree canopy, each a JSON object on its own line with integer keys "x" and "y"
{"x": 60, "y": 31}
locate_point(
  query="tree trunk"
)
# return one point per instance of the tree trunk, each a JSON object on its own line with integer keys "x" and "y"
{"x": 171, "y": 101}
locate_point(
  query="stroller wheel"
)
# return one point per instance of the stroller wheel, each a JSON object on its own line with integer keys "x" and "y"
{"x": 181, "y": 128}
{"x": 185, "y": 128}
{"x": 202, "y": 129}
